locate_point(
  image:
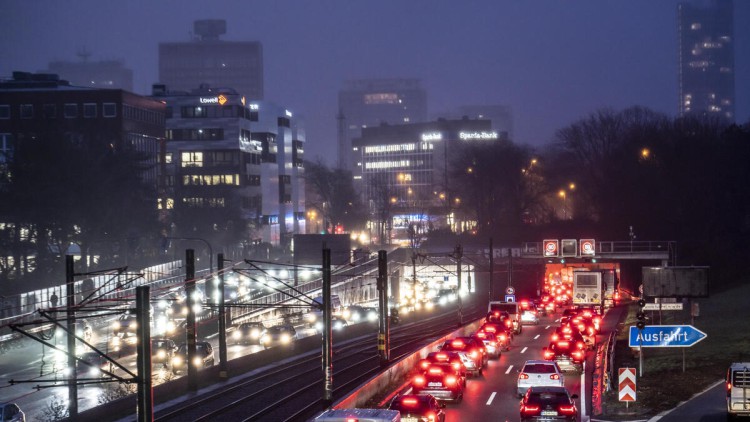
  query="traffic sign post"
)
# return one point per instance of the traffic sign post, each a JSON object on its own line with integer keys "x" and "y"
{"x": 626, "y": 385}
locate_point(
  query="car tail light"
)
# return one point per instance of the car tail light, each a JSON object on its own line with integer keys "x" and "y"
{"x": 456, "y": 366}
{"x": 563, "y": 344}
{"x": 555, "y": 337}
{"x": 578, "y": 355}
{"x": 554, "y": 377}
{"x": 351, "y": 419}
{"x": 481, "y": 334}
{"x": 424, "y": 364}
{"x": 523, "y": 376}
{"x": 549, "y": 354}
{"x": 435, "y": 371}
{"x": 450, "y": 380}
{"x": 493, "y": 343}
{"x": 587, "y": 314}
{"x": 431, "y": 417}
{"x": 729, "y": 389}
{"x": 441, "y": 356}
{"x": 567, "y": 409}
{"x": 508, "y": 322}
{"x": 529, "y": 409}
{"x": 409, "y": 401}
{"x": 580, "y": 345}
{"x": 497, "y": 313}
{"x": 503, "y": 337}
{"x": 458, "y": 343}
{"x": 419, "y": 381}
{"x": 474, "y": 354}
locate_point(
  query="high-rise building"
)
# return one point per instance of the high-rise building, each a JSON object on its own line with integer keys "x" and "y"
{"x": 94, "y": 74}
{"x": 229, "y": 159}
{"x": 402, "y": 172}
{"x": 208, "y": 60}
{"x": 706, "y": 59}
{"x": 373, "y": 102}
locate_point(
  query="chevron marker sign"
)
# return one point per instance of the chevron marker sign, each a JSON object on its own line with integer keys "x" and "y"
{"x": 626, "y": 382}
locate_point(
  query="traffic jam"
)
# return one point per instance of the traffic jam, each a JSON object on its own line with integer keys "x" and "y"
{"x": 443, "y": 379}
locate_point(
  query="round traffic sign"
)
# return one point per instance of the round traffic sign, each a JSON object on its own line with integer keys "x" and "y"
{"x": 510, "y": 290}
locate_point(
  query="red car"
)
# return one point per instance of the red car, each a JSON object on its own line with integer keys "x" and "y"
{"x": 458, "y": 361}
{"x": 441, "y": 382}
{"x": 568, "y": 355}
{"x": 420, "y": 407}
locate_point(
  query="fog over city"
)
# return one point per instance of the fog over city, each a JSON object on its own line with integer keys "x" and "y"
{"x": 552, "y": 62}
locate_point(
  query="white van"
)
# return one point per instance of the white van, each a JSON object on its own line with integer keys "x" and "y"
{"x": 359, "y": 415}
{"x": 738, "y": 390}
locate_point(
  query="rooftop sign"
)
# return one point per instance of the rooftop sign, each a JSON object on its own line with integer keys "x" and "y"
{"x": 221, "y": 100}
{"x": 483, "y": 135}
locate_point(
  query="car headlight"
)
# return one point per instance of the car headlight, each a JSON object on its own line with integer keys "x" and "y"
{"x": 372, "y": 316}
{"x": 94, "y": 371}
{"x": 133, "y": 325}
{"x": 116, "y": 325}
{"x": 265, "y": 339}
{"x": 255, "y": 333}
{"x": 319, "y": 326}
{"x": 197, "y": 362}
{"x": 115, "y": 341}
{"x": 236, "y": 334}
{"x": 285, "y": 338}
{"x": 161, "y": 354}
{"x": 428, "y": 305}
{"x": 177, "y": 361}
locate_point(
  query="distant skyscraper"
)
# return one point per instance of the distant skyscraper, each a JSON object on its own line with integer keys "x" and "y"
{"x": 706, "y": 54}
{"x": 99, "y": 74}
{"x": 372, "y": 102}
{"x": 207, "y": 60}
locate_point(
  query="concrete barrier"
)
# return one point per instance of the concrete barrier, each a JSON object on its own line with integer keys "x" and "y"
{"x": 397, "y": 372}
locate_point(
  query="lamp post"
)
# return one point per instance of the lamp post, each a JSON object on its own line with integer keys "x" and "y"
{"x": 210, "y": 250}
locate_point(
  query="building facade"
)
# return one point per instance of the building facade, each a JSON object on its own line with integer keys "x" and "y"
{"x": 232, "y": 166}
{"x": 706, "y": 59}
{"x": 501, "y": 117}
{"x": 403, "y": 173}
{"x": 110, "y": 74}
{"x": 207, "y": 59}
{"x": 372, "y": 102}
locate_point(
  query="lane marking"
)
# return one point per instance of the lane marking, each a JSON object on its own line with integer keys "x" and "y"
{"x": 492, "y": 397}
{"x": 537, "y": 336}
{"x": 524, "y": 349}
{"x": 547, "y": 327}
{"x": 509, "y": 368}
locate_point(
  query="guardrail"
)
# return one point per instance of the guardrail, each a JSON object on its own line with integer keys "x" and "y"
{"x": 606, "y": 248}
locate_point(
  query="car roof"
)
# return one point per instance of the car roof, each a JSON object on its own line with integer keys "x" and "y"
{"x": 740, "y": 365}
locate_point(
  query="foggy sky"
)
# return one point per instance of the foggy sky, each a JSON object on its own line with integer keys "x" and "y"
{"x": 552, "y": 61}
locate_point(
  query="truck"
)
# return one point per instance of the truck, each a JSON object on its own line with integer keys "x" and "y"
{"x": 611, "y": 283}
{"x": 512, "y": 309}
{"x": 588, "y": 289}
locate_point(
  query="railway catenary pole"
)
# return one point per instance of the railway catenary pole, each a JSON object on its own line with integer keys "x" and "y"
{"x": 70, "y": 317}
{"x": 327, "y": 333}
{"x": 222, "y": 321}
{"x": 492, "y": 270}
{"x": 192, "y": 370}
{"x": 459, "y": 254}
{"x": 383, "y": 326}
{"x": 143, "y": 356}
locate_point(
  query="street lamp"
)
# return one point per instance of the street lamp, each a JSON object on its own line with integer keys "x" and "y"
{"x": 562, "y": 194}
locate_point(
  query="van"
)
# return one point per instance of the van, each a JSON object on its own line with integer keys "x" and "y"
{"x": 359, "y": 415}
{"x": 738, "y": 390}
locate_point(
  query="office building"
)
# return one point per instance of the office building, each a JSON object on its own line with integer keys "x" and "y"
{"x": 209, "y": 60}
{"x": 402, "y": 172}
{"x": 706, "y": 59}
{"x": 501, "y": 117}
{"x": 372, "y": 102}
{"x": 233, "y": 166}
{"x": 94, "y": 74}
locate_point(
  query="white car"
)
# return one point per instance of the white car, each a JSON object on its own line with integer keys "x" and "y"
{"x": 738, "y": 390}
{"x": 539, "y": 373}
{"x": 11, "y": 412}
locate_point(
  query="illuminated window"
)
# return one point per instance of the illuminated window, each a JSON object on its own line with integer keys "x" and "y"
{"x": 695, "y": 26}
{"x": 381, "y": 98}
{"x": 191, "y": 159}
{"x": 168, "y": 158}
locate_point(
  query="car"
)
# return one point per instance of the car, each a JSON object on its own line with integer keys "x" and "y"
{"x": 162, "y": 350}
{"x": 491, "y": 344}
{"x": 503, "y": 334}
{"x": 535, "y": 373}
{"x": 356, "y": 313}
{"x": 204, "y": 356}
{"x": 418, "y": 408}
{"x": 125, "y": 325}
{"x": 458, "y": 360}
{"x": 337, "y": 323}
{"x": 548, "y": 404}
{"x": 440, "y": 381}
{"x": 83, "y": 330}
{"x": 249, "y": 333}
{"x": 566, "y": 332}
{"x": 738, "y": 390}
{"x": 90, "y": 365}
{"x": 279, "y": 335}
{"x": 529, "y": 316}
{"x": 568, "y": 355}
{"x": 10, "y": 412}
{"x": 473, "y": 348}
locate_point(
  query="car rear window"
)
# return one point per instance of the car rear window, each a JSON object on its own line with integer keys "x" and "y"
{"x": 539, "y": 368}
{"x": 548, "y": 398}
{"x": 741, "y": 379}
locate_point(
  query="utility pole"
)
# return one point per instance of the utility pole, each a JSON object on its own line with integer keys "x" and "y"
{"x": 71, "y": 317}
{"x": 459, "y": 253}
{"x": 510, "y": 267}
{"x": 327, "y": 332}
{"x": 492, "y": 270}
{"x": 414, "y": 275}
{"x": 383, "y": 326}
{"x": 222, "y": 322}
{"x": 143, "y": 357}
{"x": 192, "y": 370}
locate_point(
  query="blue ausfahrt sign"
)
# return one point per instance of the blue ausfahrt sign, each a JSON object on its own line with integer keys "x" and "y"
{"x": 665, "y": 336}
